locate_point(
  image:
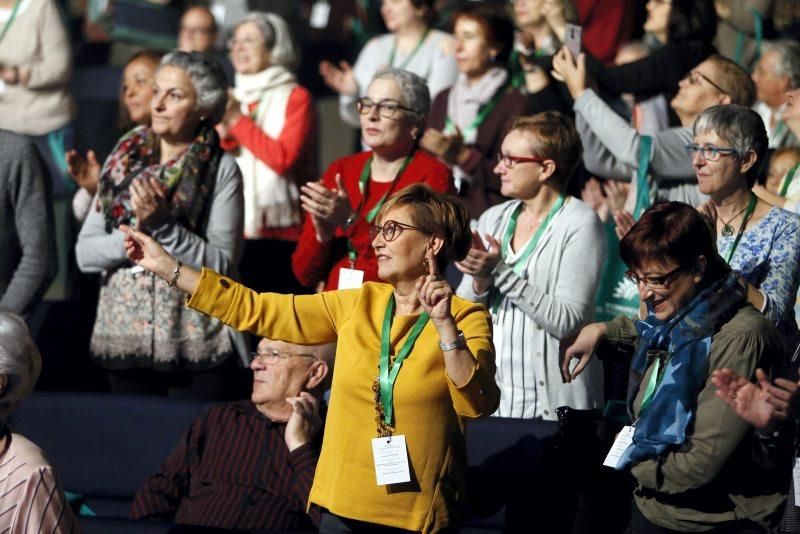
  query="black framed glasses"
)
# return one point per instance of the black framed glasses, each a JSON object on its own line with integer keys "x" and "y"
{"x": 710, "y": 152}
{"x": 273, "y": 355}
{"x": 386, "y": 108}
{"x": 510, "y": 161}
{"x": 696, "y": 76}
{"x": 661, "y": 281}
{"x": 391, "y": 230}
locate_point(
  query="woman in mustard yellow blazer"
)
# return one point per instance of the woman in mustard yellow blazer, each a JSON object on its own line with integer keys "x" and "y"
{"x": 413, "y": 320}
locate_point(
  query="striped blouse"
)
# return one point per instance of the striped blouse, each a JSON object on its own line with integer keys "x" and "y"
{"x": 31, "y": 499}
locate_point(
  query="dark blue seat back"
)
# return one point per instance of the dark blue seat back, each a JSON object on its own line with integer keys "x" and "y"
{"x": 104, "y": 446}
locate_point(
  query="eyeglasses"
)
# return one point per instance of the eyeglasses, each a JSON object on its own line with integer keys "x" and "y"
{"x": 273, "y": 355}
{"x": 510, "y": 162}
{"x": 386, "y": 109}
{"x": 653, "y": 282}
{"x": 391, "y": 230}
{"x": 695, "y": 76}
{"x": 710, "y": 152}
{"x": 247, "y": 42}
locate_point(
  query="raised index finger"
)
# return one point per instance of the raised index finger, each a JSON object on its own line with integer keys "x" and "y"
{"x": 433, "y": 269}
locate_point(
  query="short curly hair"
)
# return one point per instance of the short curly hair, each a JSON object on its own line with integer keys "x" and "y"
{"x": 208, "y": 79}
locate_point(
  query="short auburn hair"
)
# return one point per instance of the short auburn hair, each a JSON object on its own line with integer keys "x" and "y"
{"x": 552, "y": 135}
{"x": 673, "y": 231}
{"x": 438, "y": 214}
{"x": 735, "y": 81}
{"x": 497, "y": 27}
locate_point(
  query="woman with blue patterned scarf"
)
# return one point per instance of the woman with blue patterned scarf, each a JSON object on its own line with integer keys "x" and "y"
{"x": 690, "y": 454}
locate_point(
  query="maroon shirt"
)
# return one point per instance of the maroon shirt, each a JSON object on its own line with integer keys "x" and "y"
{"x": 232, "y": 470}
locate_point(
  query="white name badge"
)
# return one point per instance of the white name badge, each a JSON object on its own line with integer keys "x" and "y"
{"x": 391, "y": 460}
{"x": 320, "y": 13}
{"x": 621, "y": 443}
{"x": 2, "y": 87}
{"x": 796, "y": 477}
{"x": 350, "y": 278}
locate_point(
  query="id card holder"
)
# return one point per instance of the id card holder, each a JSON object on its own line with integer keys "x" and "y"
{"x": 350, "y": 278}
{"x": 391, "y": 460}
{"x": 621, "y": 444}
{"x": 320, "y": 14}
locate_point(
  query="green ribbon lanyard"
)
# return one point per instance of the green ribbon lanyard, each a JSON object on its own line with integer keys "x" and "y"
{"x": 519, "y": 265}
{"x": 389, "y": 376}
{"x": 652, "y": 385}
{"x": 363, "y": 186}
{"x": 751, "y": 206}
{"x": 410, "y": 56}
{"x": 643, "y": 200}
{"x": 10, "y": 19}
{"x": 479, "y": 119}
{"x": 788, "y": 179}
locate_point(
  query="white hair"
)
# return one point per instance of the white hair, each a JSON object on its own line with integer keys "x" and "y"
{"x": 277, "y": 37}
{"x": 20, "y": 362}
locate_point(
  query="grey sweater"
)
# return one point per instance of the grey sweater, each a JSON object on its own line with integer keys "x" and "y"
{"x": 611, "y": 150}
{"x": 28, "y": 263}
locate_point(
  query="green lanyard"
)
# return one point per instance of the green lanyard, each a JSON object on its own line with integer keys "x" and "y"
{"x": 410, "y": 56}
{"x": 643, "y": 200}
{"x": 751, "y": 207}
{"x": 388, "y": 375}
{"x": 788, "y": 179}
{"x": 652, "y": 385}
{"x": 519, "y": 264}
{"x": 10, "y": 19}
{"x": 758, "y": 35}
{"x": 479, "y": 119}
{"x": 363, "y": 186}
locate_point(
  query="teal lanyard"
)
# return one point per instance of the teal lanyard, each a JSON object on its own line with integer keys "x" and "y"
{"x": 363, "y": 187}
{"x": 758, "y": 34}
{"x": 483, "y": 113}
{"x": 787, "y": 180}
{"x": 411, "y": 55}
{"x": 10, "y": 19}
{"x": 751, "y": 207}
{"x": 642, "y": 185}
{"x": 388, "y": 373}
{"x": 652, "y": 386}
{"x": 519, "y": 264}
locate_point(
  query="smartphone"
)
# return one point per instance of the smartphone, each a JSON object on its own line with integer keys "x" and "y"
{"x": 572, "y": 39}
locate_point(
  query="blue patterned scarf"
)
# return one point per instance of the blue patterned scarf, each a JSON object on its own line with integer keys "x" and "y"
{"x": 687, "y": 337}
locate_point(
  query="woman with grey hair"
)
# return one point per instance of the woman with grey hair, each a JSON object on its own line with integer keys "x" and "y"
{"x": 269, "y": 126}
{"x": 171, "y": 180}
{"x": 30, "y": 495}
{"x": 335, "y": 249}
{"x": 757, "y": 239}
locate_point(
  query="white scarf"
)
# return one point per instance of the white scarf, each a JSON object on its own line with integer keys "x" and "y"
{"x": 270, "y": 200}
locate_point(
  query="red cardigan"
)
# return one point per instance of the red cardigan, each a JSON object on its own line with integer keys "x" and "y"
{"x": 295, "y": 148}
{"x": 313, "y": 261}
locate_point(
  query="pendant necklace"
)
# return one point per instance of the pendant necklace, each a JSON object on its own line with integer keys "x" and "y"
{"x": 727, "y": 229}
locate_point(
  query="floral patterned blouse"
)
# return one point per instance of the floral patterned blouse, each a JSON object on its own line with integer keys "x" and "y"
{"x": 768, "y": 256}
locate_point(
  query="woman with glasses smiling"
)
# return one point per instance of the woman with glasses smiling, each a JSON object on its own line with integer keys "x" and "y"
{"x": 757, "y": 239}
{"x": 690, "y": 455}
{"x": 413, "y": 361}
{"x": 334, "y": 250}
{"x": 269, "y": 126}
{"x": 538, "y": 268}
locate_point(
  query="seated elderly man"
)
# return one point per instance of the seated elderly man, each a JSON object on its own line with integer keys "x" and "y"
{"x": 776, "y": 74}
{"x": 250, "y": 464}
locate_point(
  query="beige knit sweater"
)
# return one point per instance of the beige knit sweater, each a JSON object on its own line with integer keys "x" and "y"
{"x": 36, "y": 40}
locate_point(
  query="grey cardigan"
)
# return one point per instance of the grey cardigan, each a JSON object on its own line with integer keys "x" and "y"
{"x": 551, "y": 299}
{"x": 611, "y": 150}
{"x": 26, "y": 226}
{"x": 219, "y": 247}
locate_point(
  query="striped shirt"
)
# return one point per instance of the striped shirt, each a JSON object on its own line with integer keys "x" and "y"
{"x": 232, "y": 470}
{"x": 31, "y": 499}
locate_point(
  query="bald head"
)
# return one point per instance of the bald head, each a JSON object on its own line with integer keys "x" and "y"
{"x": 198, "y": 31}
